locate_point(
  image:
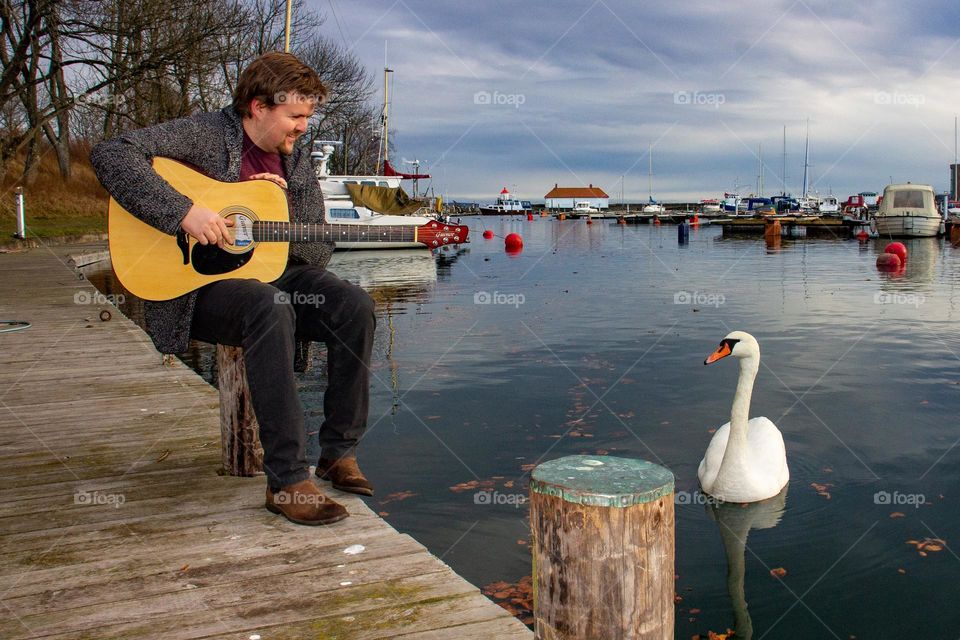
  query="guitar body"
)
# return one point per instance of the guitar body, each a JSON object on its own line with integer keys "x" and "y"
{"x": 150, "y": 263}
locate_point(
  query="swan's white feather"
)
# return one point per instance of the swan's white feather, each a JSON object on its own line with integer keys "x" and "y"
{"x": 765, "y": 474}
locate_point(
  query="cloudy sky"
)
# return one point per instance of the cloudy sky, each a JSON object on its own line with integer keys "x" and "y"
{"x": 528, "y": 94}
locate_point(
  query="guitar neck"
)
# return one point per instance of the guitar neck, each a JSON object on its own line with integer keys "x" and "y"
{"x": 267, "y": 231}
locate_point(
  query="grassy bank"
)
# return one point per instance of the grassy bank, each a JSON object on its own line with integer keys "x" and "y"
{"x": 55, "y": 207}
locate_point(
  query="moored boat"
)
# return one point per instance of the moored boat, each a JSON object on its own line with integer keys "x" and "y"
{"x": 908, "y": 210}
{"x": 368, "y": 201}
{"x": 505, "y": 205}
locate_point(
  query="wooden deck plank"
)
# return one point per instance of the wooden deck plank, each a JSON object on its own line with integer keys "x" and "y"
{"x": 89, "y": 406}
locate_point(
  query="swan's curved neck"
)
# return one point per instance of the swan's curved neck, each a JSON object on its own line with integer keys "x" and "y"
{"x": 740, "y": 414}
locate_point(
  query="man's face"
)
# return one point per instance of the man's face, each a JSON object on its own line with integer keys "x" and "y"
{"x": 276, "y": 128}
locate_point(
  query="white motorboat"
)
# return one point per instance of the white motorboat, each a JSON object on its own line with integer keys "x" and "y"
{"x": 584, "y": 210}
{"x": 709, "y": 206}
{"x": 506, "y": 204}
{"x": 829, "y": 204}
{"x": 908, "y": 210}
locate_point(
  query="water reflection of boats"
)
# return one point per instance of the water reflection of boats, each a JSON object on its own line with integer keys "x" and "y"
{"x": 399, "y": 274}
{"x": 735, "y": 522}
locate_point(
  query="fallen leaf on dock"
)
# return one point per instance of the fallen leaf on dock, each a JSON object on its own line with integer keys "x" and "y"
{"x": 779, "y": 572}
{"x": 897, "y": 514}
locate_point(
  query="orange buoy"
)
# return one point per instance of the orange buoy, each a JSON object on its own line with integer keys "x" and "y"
{"x": 898, "y": 249}
{"x": 888, "y": 262}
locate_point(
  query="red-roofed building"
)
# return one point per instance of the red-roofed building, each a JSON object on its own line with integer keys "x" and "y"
{"x": 567, "y": 197}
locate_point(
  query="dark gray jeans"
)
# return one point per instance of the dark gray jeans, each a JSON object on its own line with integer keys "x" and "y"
{"x": 306, "y": 303}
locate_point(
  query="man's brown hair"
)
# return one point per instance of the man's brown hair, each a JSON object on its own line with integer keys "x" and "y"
{"x": 274, "y": 78}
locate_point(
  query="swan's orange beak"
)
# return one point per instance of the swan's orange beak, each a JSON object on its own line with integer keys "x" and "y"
{"x": 722, "y": 352}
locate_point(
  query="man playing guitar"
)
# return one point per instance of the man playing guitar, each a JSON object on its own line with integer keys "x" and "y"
{"x": 255, "y": 138}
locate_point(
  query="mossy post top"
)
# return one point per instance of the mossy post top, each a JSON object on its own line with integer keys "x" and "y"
{"x": 602, "y": 481}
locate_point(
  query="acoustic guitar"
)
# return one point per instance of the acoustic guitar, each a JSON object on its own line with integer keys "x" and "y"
{"x": 153, "y": 265}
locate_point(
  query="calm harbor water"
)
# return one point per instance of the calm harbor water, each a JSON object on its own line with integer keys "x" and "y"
{"x": 592, "y": 341}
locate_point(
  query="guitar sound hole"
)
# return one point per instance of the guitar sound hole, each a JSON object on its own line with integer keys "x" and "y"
{"x": 211, "y": 260}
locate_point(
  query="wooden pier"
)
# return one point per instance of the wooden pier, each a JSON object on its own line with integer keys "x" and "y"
{"x": 792, "y": 226}
{"x": 115, "y": 523}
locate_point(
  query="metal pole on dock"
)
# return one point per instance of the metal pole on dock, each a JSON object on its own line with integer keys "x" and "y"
{"x": 21, "y": 232}
{"x": 603, "y": 549}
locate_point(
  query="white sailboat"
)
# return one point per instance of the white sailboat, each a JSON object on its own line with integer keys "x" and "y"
{"x": 343, "y": 207}
{"x": 653, "y": 206}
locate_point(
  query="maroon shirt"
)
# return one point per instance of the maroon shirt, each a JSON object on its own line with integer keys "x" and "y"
{"x": 254, "y": 160}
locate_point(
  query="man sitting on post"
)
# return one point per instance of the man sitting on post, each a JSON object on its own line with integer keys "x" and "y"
{"x": 255, "y": 138}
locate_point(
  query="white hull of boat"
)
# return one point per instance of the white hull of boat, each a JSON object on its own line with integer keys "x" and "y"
{"x": 908, "y": 226}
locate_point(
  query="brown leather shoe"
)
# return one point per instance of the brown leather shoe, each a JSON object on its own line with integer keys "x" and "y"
{"x": 345, "y": 475}
{"x": 304, "y": 503}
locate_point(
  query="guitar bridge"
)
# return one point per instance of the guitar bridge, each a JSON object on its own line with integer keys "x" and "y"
{"x": 184, "y": 245}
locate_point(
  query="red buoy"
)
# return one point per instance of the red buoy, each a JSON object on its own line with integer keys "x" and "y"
{"x": 513, "y": 241}
{"x": 656, "y": 220}
{"x": 488, "y": 235}
{"x": 589, "y": 220}
{"x": 888, "y": 262}
{"x": 529, "y": 216}
{"x": 898, "y": 249}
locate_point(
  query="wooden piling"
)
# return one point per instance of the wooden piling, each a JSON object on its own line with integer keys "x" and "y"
{"x": 242, "y": 453}
{"x": 955, "y": 234}
{"x": 772, "y": 230}
{"x": 603, "y": 549}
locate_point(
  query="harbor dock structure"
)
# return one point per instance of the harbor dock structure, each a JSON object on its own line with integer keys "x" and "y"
{"x": 115, "y": 523}
{"x": 793, "y": 226}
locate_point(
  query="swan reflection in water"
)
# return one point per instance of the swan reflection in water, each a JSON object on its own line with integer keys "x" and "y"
{"x": 735, "y": 520}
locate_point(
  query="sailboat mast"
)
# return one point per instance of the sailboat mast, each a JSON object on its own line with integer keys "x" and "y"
{"x": 760, "y": 170}
{"x": 806, "y": 159}
{"x": 783, "y": 175}
{"x": 384, "y": 150}
{"x": 650, "y": 170}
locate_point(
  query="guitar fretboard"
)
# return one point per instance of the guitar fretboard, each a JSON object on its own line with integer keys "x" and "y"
{"x": 266, "y": 231}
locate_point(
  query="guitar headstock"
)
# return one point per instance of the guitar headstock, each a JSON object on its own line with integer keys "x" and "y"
{"x": 440, "y": 234}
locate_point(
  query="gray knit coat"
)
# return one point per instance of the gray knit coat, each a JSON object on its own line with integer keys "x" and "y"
{"x": 212, "y": 142}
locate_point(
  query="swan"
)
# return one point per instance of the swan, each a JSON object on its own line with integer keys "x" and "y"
{"x": 746, "y": 461}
